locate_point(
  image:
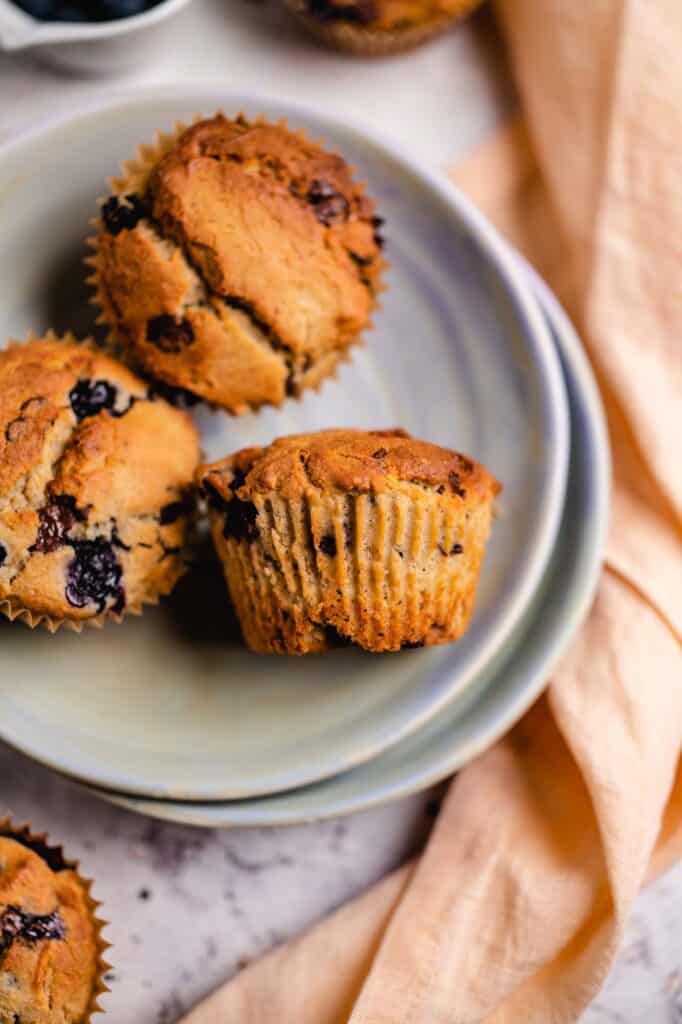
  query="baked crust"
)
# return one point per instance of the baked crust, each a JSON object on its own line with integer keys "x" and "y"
{"x": 249, "y": 261}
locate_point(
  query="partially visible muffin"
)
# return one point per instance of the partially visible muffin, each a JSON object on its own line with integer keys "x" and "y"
{"x": 367, "y": 537}
{"x": 378, "y": 27}
{"x": 49, "y": 937}
{"x": 237, "y": 261}
{"x": 96, "y": 486}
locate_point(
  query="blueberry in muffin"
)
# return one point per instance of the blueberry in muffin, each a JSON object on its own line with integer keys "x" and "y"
{"x": 50, "y": 948}
{"x": 96, "y": 486}
{"x": 350, "y": 536}
{"x": 237, "y": 261}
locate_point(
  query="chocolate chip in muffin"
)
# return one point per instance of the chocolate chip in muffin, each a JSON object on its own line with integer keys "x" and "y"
{"x": 121, "y": 213}
{"x": 329, "y": 205}
{"x": 328, "y": 545}
{"x": 56, "y": 519}
{"x": 169, "y": 334}
{"x": 94, "y": 575}
{"x": 90, "y": 397}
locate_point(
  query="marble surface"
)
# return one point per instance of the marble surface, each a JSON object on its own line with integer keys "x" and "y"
{"x": 219, "y": 899}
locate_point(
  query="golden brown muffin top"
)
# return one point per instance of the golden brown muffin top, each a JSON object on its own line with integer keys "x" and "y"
{"x": 48, "y": 938}
{"x": 345, "y": 460}
{"x": 274, "y": 224}
{"x": 89, "y": 466}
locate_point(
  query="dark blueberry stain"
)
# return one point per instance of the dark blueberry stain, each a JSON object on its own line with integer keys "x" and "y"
{"x": 18, "y": 925}
{"x": 456, "y": 484}
{"x": 3, "y": 554}
{"x": 336, "y": 639}
{"x": 90, "y": 397}
{"x": 176, "y": 510}
{"x": 240, "y": 520}
{"x": 121, "y": 213}
{"x": 361, "y": 12}
{"x": 349, "y": 532}
{"x": 329, "y": 205}
{"x": 380, "y": 453}
{"x": 94, "y": 576}
{"x": 328, "y": 545}
{"x": 180, "y": 398}
{"x": 56, "y": 519}
{"x": 169, "y": 334}
{"x": 456, "y": 549}
{"x": 377, "y": 224}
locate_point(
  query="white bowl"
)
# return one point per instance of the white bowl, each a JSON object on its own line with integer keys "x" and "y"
{"x": 88, "y": 47}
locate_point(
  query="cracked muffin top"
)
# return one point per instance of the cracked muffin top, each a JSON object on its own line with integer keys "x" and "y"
{"x": 96, "y": 498}
{"x": 345, "y": 460}
{"x": 49, "y": 956}
{"x": 238, "y": 261}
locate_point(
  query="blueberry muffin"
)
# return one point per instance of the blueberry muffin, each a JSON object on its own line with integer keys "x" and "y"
{"x": 96, "y": 486}
{"x": 50, "y": 946}
{"x": 368, "y": 537}
{"x": 378, "y": 27}
{"x": 237, "y": 261}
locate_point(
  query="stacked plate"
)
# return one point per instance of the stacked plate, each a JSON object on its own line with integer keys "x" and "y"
{"x": 169, "y": 714}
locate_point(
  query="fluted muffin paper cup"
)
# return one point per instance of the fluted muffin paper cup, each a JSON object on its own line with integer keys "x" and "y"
{"x": 13, "y": 609}
{"x": 54, "y": 854}
{"x": 132, "y": 179}
{"x": 365, "y": 41}
{"x": 384, "y": 571}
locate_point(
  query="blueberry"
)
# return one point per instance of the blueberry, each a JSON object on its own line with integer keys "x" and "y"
{"x": 94, "y": 575}
{"x": 328, "y": 544}
{"x": 16, "y": 924}
{"x": 121, "y": 213}
{"x": 169, "y": 334}
{"x": 89, "y": 397}
{"x": 329, "y": 205}
{"x": 56, "y": 519}
{"x": 3, "y": 554}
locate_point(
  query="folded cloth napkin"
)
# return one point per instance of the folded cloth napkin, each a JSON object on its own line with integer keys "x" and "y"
{"x": 515, "y": 909}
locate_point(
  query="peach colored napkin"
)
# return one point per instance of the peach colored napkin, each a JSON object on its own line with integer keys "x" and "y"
{"x": 514, "y": 911}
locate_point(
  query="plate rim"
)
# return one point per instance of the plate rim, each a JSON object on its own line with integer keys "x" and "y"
{"x": 537, "y": 338}
{"x": 600, "y": 482}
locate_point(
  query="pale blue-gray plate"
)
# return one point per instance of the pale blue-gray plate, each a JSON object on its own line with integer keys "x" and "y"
{"x": 502, "y": 693}
{"x": 169, "y": 705}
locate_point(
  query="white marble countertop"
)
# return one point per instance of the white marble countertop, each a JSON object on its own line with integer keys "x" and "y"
{"x": 222, "y": 898}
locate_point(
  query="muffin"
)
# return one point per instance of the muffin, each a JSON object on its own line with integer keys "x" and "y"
{"x": 50, "y": 946}
{"x": 96, "y": 486}
{"x": 237, "y": 261}
{"x": 367, "y": 537}
{"x": 378, "y": 27}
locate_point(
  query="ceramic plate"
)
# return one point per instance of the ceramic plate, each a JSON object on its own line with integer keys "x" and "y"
{"x": 171, "y": 705}
{"x": 512, "y": 682}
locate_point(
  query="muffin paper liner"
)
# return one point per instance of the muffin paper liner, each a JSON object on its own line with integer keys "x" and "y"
{"x": 25, "y": 834}
{"x": 14, "y": 610}
{"x": 366, "y": 42}
{"x": 378, "y": 570}
{"x": 133, "y": 177}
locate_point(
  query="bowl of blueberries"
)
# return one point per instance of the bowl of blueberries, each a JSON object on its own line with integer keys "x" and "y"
{"x": 95, "y": 37}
